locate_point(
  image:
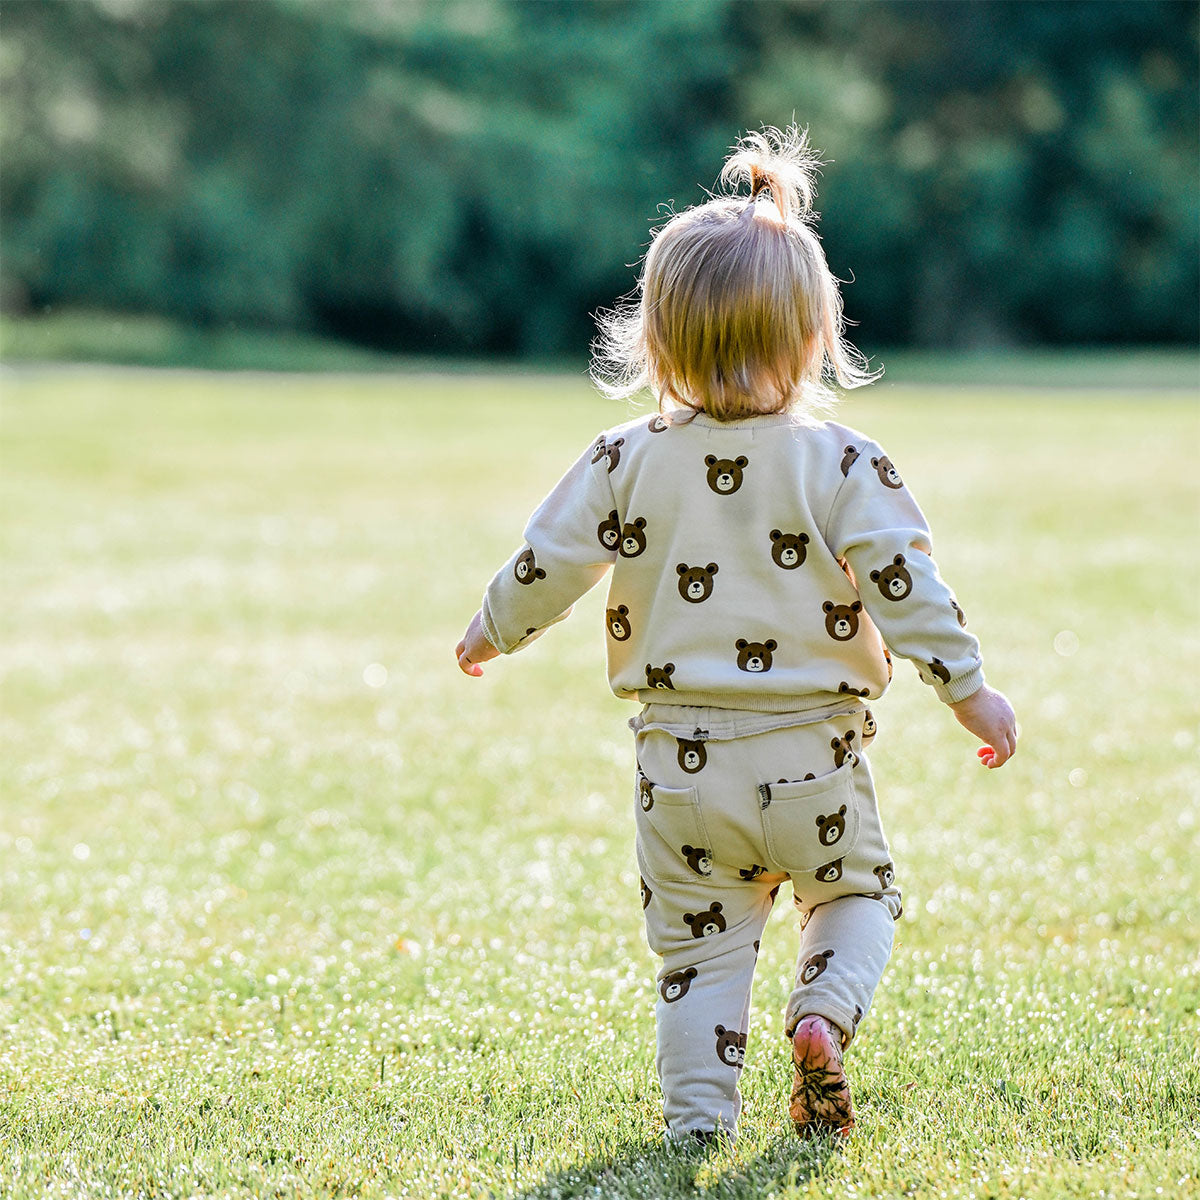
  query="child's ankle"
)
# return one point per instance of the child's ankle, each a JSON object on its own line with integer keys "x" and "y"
{"x": 834, "y": 1028}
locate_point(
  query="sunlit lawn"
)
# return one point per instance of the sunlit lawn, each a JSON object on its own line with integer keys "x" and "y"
{"x": 289, "y": 907}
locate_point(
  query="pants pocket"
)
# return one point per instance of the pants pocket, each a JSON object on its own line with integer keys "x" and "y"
{"x": 811, "y": 825}
{"x": 672, "y": 843}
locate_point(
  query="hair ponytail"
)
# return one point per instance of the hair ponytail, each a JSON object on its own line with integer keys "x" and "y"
{"x": 780, "y": 162}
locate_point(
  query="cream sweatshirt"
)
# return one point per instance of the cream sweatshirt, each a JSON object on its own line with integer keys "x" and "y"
{"x": 764, "y": 564}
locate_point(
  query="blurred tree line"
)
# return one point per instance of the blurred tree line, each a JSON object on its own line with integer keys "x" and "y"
{"x": 478, "y": 176}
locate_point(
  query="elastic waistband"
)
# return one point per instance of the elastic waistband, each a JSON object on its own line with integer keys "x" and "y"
{"x": 705, "y": 724}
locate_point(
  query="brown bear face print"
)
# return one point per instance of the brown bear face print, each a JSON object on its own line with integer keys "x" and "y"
{"x": 698, "y": 859}
{"x": 617, "y": 620}
{"x": 598, "y": 451}
{"x": 849, "y": 458}
{"x": 958, "y": 612}
{"x": 749, "y": 874}
{"x": 707, "y": 923}
{"x": 725, "y": 474}
{"x": 675, "y": 986}
{"x": 870, "y": 728}
{"x": 939, "y": 670}
{"x": 788, "y": 550}
{"x": 612, "y": 450}
{"x": 633, "y": 540}
{"x": 660, "y": 677}
{"x": 841, "y": 620}
{"x": 647, "y": 894}
{"x": 894, "y": 581}
{"x": 696, "y": 583}
{"x": 692, "y": 755}
{"x": 888, "y": 475}
{"x": 814, "y": 966}
{"x": 731, "y": 1047}
{"x": 831, "y": 828}
{"x": 526, "y": 569}
{"x": 609, "y": 531}
{"x": 831, "y": 872}
{"x": 844, "y": 689}
{"x": 755, "y": 656}
{"x": 886, "y": 875}
{"x": 645, "y": 793}
{"x": 843, "y": 748}
{"x": 658, "y": 424}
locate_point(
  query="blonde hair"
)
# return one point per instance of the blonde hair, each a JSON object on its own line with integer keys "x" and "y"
{"x": 736, "y": 312}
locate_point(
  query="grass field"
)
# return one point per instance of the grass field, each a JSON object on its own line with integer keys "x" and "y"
{"x": 289, "y": 907}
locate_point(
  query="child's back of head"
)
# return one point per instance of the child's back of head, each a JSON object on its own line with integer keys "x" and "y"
{"x": 737, "y": 312}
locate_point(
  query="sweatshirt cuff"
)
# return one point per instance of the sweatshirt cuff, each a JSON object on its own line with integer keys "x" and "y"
{"x": 960, "y": 688}
{"x": 489, "y": 627}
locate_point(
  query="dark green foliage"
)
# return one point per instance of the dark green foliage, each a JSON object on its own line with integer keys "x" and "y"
{"x": 478, "y": 177}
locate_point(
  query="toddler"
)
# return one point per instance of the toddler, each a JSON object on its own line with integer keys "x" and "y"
{"x": 764, "y": 563}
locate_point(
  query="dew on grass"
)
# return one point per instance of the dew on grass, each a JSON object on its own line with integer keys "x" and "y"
{"x": 1066, "y": 643}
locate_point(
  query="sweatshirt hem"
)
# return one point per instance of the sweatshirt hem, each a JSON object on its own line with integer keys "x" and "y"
{"x": 817, "y": 702}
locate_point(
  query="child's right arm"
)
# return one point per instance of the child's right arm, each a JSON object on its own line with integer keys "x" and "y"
{"x": 564, "y": 555}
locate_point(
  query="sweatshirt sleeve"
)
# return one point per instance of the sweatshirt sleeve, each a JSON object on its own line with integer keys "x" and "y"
{"x": 877, "y": 529}
{"x": 565, "y": 553}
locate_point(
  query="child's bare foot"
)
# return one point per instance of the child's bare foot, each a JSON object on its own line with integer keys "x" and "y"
{"x": 820, "y": 1092}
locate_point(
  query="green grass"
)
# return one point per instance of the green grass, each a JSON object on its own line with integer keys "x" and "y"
{"x": 266, "y": 929}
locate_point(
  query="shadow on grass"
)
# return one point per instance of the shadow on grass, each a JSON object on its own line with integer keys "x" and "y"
{"x": 665, "y": 1172}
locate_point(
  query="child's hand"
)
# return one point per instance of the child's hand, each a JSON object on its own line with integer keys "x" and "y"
{"x": 474, "y": 648}
{"x": 989, "y": 716}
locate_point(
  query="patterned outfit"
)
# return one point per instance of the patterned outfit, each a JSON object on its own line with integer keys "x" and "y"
{"x": 760, "y": 570}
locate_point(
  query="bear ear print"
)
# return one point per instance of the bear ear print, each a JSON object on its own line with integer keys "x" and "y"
{"x": 741, "y": 461}
{"x": 776, "y": 534}
{"x": 827, "y": 606}
{"x": 874, "y": 576}
{"x": 874, "y": 462}
{"x": 640, "y": 522}
{"x": 681, "y": 569}
{"x": 771, "y": 644}
{"x": 898, "y": 561}
{"x": 804, "y": 538}
{"x": 716, "y": 906}
{"x": 690, "y": 973}
{"x": 741, "y": 644}
{"x": 669, "y": 669}
{"x": 712, "y": 568}
{"x": 710, "y": 460}
{"x": 539, "y": 574}
{"x": 719, "y": 1031}
{"x": 856, "y": 606}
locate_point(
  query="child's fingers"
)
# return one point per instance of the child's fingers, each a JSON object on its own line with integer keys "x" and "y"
{"x": 465, "y": 665}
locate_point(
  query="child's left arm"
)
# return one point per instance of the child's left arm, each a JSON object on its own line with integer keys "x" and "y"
{"x": 877, "y": 528}
{"x": 564, "y": 555}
